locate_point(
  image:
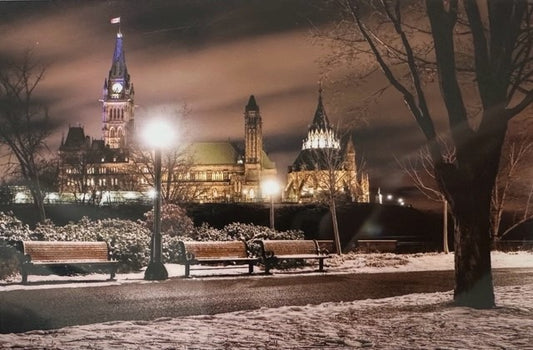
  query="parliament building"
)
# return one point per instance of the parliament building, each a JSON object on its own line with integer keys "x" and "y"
{"x": 109, "y": 169}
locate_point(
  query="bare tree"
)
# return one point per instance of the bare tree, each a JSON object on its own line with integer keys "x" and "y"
{"x": 422, "y": 174}
{"x": 514, "y": 156}
{"x": 332, "y": 172}
{"x": 500, "y": 33}
{"x": 177, "y": 162}
{"x": 24, "y": 121}
{"x": 77, "y": 166}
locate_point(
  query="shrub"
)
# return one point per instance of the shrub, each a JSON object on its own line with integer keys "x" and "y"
{"x": 12, "y": 229}
{"x": 9, "y": 261}
{"x": 128, "y": 240}
{"x": 174, "y": 221}
{"x": 250, "y": 233}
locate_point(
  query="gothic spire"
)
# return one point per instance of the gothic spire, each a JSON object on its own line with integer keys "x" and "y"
{"x": 252, "y": 105}
{"x": 118, "y": 65}
{"x": 320, "y": 120}
{"x": 320, "y": 133}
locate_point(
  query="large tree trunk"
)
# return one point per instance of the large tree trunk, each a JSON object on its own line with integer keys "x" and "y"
{"x": 336, "y": 235}
{"x": 38, "y": 199}
{"x": 473, "y": 278}
{"x": 468, "y": 185}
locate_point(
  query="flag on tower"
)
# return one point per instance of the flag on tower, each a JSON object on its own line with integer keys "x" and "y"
{"x": 115, "y": 20}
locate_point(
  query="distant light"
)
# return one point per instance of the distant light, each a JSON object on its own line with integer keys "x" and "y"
{"x": 152, "y": 193}
{"x": 131, "y": 195}
{"x": 158, "y": 134}
{"x": 270, "y": 187}
{"x": 53, "y": 196}
{"x": 389, "y": 197}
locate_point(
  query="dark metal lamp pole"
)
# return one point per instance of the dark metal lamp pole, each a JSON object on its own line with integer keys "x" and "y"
{"x": 156, "y": 270}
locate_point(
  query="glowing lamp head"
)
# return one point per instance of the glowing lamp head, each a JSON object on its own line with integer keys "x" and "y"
{"x": 270, "y": 187}
{"x": 158, "y": 134}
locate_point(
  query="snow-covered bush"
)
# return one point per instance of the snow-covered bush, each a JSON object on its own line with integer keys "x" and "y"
{"x": 174, "y": 221}
{"x": 12, "y": 229}
{"x": 9, "y": 262}
{"x": 129, "y": 241}
{"x": 251, "y": 233}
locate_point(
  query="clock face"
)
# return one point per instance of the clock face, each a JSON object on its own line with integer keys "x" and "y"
{"x": 117, "y": 87}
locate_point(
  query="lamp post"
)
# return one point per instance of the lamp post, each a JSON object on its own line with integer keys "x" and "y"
{"x": 271, "y": 187}
{"x": 158, "y": 135}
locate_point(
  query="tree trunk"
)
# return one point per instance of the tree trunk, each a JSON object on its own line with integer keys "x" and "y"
{"x": 445, "y": 247}
{"x": 38, "y": 200}
{"x": 333, "y": 211}
{"x": 473, "y": 278}
{"x": 468, "y": 186}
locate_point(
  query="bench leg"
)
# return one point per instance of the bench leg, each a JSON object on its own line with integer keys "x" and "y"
{"x": 187, "y": 270}
{"x": 24, "y": 277}
{"x": 267, "y": 268}
{"x": 320, "y": 264}
{"x": 250, "y": 268}
{"x": 113, "y": 273}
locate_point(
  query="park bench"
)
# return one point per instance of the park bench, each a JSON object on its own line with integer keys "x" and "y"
{"x": 377, "y": 245}
{"x": 48, "y": 258}
{"x": 214, "y": 253}
{"x": 274, "y": 251}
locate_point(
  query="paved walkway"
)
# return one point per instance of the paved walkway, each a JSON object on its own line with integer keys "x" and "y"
{"x": 23, "y": 310}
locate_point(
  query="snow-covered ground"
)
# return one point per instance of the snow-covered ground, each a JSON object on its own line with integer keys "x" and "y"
{"x": 408, "y": 322}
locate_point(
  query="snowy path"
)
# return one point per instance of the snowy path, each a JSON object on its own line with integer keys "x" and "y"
{"x": 408, "y": 322}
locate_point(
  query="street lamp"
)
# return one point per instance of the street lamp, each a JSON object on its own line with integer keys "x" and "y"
{"x": 158, "y": 134}
{"x": 270, "y": 187}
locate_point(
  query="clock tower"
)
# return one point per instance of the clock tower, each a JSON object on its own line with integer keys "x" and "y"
{"x": 117, "y": 101}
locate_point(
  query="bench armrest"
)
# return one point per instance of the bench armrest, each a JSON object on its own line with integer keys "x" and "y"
{"x": 189, "y": 256}
{"x": 268, "y": 254}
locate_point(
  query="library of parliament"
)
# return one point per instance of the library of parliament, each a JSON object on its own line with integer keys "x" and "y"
{"x": 112, "y": 169}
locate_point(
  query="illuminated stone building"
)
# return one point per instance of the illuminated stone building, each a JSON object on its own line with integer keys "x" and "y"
{"x": 326, "y": 163}
{"x": 106, "y": 170}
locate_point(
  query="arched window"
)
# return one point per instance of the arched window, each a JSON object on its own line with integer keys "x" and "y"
{"x": 112, "y": 132}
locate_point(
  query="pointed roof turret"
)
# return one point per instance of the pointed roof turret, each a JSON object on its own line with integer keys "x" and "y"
{"x": 320, "y": 120}
{"x": 118, "y": 65}
{"x": 252, "y": 105}
{"x": 320, "y": 133}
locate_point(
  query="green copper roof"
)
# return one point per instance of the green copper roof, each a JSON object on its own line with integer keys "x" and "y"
{"x": 266, "y": 162}
{"x": 213, "y": 153}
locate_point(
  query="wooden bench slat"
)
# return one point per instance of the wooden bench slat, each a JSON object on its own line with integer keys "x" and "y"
{"x": 214, "y": 252}
{"x": 275, "y": 250}
{"x": 284, "y": 247}
{"x": 45, "y": 257}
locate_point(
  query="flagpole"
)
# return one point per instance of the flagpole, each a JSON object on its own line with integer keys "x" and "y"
{"x": 116, "y": 20}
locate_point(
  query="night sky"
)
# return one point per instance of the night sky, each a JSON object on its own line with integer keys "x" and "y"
{"x": 211, "y": 55}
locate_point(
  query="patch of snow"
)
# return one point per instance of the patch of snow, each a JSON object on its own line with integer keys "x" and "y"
{"x": 406, "y": 322}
